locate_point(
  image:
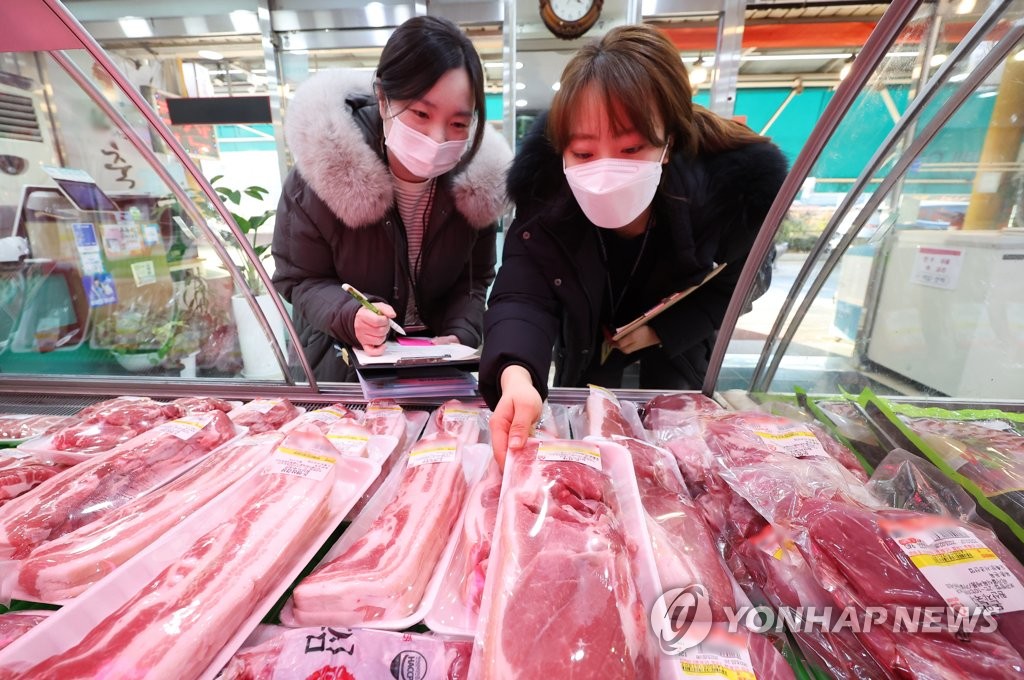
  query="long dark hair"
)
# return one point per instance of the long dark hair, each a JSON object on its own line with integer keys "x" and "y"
{"x": 638, "y": 74}
{"x": 415, "y": 57}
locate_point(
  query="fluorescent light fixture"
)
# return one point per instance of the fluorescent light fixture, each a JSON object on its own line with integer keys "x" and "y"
{"x": 965, "y": 6}
{"x": 493, "y": 64}
{"x": 795, "y": 57}
{"x": 958, "y": 78}
{"x": 1019, "y": 56}
{"x": 986, "y": 95}
{"x": 375, "y": 14}
{"x": 847, "y": 67}
{"x": 937, "y": 59}
{"x": 556, "y": 86}
{"x": 135, "y": 27}
{"x": 212, "y": 55}
{"x": 520, "y": 86}
{"x": 520, "y": 103}
{"x": 519, "y": 65}
{"x": 402, "y": 14}
{"x": 244, "y": 21}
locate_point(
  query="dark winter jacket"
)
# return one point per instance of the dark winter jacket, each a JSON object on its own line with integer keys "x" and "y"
{"x": 337, "y": 222}
{"x": 551, "y": 285}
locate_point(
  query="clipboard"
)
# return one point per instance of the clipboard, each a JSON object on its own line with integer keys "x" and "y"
{"x": 665, "y": 303}
{"x": 398, "y": 357}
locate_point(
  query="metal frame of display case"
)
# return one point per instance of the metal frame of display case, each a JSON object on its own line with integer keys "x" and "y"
{"x": 778, "y": 342}
{"x": 99, "y": 55}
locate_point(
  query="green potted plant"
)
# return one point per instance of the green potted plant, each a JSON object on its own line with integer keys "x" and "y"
{"x": 258, "y": 359}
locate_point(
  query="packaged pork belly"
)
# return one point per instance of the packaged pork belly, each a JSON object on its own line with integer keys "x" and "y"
{"x": 388, "y": 564}
{"x": 86, "y": 492}
{"x": 182, "y": 607}
{"x": 263, "y": 415}
{"x": 466, "y": 422}
{"x": 102, "y": 426}
{"x": 349, "y": 653}
{"x": 63, "y": 568}
{"x": 16, "y": 428}
{"x": 15, "y": 624}
{"x": 571, "y": 558}
{"x": 21, "y": 473}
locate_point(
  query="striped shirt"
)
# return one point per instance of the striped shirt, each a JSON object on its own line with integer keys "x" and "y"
{"x": 413, "y": 199}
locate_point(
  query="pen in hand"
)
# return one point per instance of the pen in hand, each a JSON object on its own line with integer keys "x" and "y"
{"x": 361, "y": 299}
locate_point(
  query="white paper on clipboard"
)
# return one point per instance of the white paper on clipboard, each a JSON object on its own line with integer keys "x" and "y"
{"x": 394, "y": 354}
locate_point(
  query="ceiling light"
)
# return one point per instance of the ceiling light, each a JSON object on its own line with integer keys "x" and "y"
{"x": 986, "y": 95}
{"x": 847, "y": 67}
{"x": 958, "y": 78}
{"x": 212, "y": 55}
{"x": 937, "y": 59}
{"x": 520, "y": 86}
{"x": 375, "y": 15}
{"x": 135, "y": 27}
{"x": 244, "y": 21}
{"x": 520, "y": 103}
{"x": 519, "y": 65}
{"x": 965, "y": 6}
{"x": 1019, "y": 56}
{"x": 699, "y": 73}
{"x": 556, "y": 86}
{"x": 795, "y": 57}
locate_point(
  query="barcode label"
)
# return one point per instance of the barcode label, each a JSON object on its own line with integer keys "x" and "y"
{"x": 298, "y": 463}
{"x": 575, "y": 452}
{"x": 950, "y": 533}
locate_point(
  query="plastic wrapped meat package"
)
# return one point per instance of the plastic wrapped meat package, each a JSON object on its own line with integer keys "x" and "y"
{"x": 456, "y": 608}
{"x": 908, "y": 482}
{"x": 687, "y": 555}
{"x": 63, "y": 568}
{"x": 263, "y": 415}
{"x": 466, "y": 423}
{"x": 604, "y": 415}
{"x": 15, "y": 624}
{"x": 86, "y": 492}
{"x": 856, "y": 552}
{"x": 571, "y": 563}
{"x": 322, "y": 418}
{"x": 22, "y": 473}
{"x": 553, "y": 422}
{"x": 107, "y": 424}
{"x": 387, "y": 567}
{"x": 16, "y": 428}
{"x": 183, "y": 606}
{"x": 350, "y": 653}
{"x": 852, "y": 423}
{"x": 673, "y": 410}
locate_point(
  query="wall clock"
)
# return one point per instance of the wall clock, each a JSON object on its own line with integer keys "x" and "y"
{"x": 569, "y": 19}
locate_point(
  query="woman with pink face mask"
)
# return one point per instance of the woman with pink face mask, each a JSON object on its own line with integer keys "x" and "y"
{"x": 625, "y": 193}
{"x": 396, "y": 190}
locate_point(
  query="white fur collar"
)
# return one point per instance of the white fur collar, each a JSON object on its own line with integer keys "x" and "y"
{"x": 331, "y": 154}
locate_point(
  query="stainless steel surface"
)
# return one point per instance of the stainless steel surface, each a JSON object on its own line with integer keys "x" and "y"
{"x": 776, "y": 343}
{"x": 874, "y": 50}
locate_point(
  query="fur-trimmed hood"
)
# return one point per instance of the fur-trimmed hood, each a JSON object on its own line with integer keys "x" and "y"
{"x": 331, "y": 130}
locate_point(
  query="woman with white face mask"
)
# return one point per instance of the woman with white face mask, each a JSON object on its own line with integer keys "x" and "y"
{"x": 625, "y": 193}
{"x": 396, "y": 190}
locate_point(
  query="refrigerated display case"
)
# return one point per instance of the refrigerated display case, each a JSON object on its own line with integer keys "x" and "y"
{"x": 143, "y": 299}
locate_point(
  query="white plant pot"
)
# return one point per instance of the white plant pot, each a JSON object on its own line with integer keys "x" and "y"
{"x": 258, "y": 360}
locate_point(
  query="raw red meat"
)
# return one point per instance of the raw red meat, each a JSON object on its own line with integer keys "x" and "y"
{"x": 66, "y": 566}
{"x": 605, "y": 416}
{"x": 672, "y": 410}
{"x": 387, "y": 418}
{"x": 684, "y": 548}
{"x": 15, "y": 624}
{"x": 103, "y": 426}
{"x": 565, "y": 569}
{"x": 324, "y": 417}
{"x": 383, "y": 574}
{"x": 85, "y": 492}
{"x": 19, "y": 475}
{"x": 25, "y": 426}
{"x": 187, "y": 405}
{"x": 458, "y": 420}
{"x": 749, "y": 436}
{"x": 263, "y": 415}
{"x": 477, "y": 533}
{"x": 175, "y": 625}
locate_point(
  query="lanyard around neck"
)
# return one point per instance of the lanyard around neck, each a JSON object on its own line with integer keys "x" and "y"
{"x": 613, "y": 302}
